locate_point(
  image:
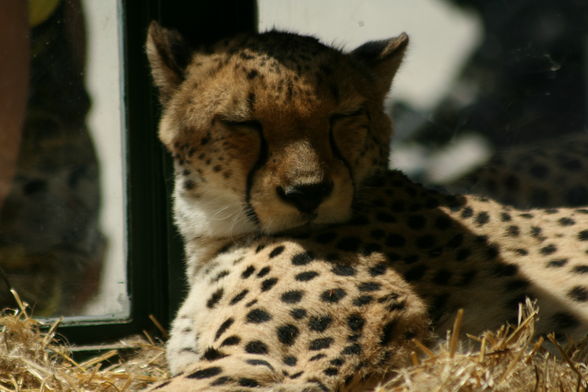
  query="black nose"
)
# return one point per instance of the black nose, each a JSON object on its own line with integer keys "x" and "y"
{"x": 307, "y": 197}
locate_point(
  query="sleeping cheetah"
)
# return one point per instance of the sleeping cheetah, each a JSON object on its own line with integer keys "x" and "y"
{"x": 311, "y": 267}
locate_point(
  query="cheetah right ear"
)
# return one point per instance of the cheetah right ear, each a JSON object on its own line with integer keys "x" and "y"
{"x": 383, "y": 58}
{"x": 169, "y": 55}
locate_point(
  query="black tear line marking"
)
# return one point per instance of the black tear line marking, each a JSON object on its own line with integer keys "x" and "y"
{"x": 340, "y": 156}
{"x": 261, "y": 160}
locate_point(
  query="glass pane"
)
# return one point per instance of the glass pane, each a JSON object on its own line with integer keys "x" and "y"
{"x": 61, "y": 209}
{"x": 491, "y": 97}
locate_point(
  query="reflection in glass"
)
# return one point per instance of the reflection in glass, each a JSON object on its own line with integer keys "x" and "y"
{"x": 54, "y": 247}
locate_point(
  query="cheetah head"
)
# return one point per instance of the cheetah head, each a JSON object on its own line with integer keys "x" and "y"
{"x": 270, "y": 131}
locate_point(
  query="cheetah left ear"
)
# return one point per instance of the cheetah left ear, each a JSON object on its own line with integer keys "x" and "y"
{"x": 383, "y": 57}
{"x": 169, "y": 55}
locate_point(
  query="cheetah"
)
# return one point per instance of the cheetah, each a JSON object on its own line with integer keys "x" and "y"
{"x": 310, "y": 265}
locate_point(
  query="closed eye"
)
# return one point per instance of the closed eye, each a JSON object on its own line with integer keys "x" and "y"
{"x": 355, "y": 113}
{"x": 254, "y": 124}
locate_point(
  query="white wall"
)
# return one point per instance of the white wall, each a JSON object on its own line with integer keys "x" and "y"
{"x": 440, "y": 34}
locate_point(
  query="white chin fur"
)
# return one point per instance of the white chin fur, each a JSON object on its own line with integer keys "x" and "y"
{"x": 211, "y": 217}
{"x": 223, "y": 215}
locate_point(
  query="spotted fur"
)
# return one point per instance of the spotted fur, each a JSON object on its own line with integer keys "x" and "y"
{"x": 541, "y": 175}
{"x": 311, "y": 267}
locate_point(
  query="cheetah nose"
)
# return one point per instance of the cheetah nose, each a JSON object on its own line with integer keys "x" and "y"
{"x": 306, "y": 197}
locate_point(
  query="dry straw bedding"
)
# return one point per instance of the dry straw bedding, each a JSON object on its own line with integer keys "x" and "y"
{"x": 33, "y": 358}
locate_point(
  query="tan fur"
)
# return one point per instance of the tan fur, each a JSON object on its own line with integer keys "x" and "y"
{"x": 262, "y": 125}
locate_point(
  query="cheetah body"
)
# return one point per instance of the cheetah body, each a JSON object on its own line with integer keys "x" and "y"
{"x": 311, "y": 267}
{"x": 526, "y": 176}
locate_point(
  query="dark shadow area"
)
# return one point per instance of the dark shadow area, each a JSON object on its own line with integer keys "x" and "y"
{"x": 528, "y": 75}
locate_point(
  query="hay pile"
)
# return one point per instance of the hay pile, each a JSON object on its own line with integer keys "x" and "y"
{"x": 505, "y": 360}
{"x": 508, "y": 359}
{"x": 34, "y": 358}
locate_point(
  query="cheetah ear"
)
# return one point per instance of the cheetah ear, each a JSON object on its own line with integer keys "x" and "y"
{"x": 169, "y": 55}
{"x": 383, "y": 57}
